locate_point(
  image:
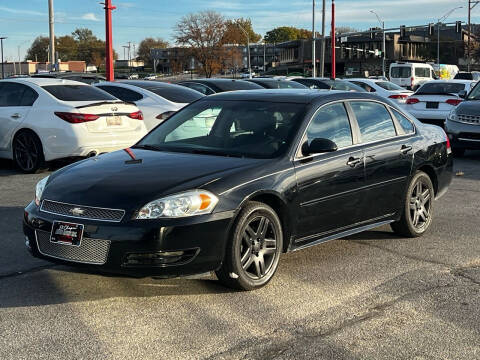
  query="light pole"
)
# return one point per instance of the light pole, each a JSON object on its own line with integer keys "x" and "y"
{"x": 248, "y": 50}
{"x": 443, "y": 18}
{"x": 471, "y": 5}
{"x": 314, "y": 60}
{"x": 1, "y": 46}
{"x": 51, "y": 23}
{"x": 322, "y": 54}
{"x": 383, "y": 43}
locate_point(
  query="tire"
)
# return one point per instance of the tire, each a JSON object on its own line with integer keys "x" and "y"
{"x": 28, "y": 152}
{"x": 458, "y": 152}
{"x": 256, "y": 239}
{"x": 417, "y": 212}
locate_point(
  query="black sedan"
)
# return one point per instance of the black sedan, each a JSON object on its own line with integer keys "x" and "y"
{"x": 213, "y": 86}
{"x": 269, "y": 83}
{"x": 329, "y": 84}
{"x": 233, "y": 180}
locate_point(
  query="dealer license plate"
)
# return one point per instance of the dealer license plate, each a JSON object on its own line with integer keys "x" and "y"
{"x": 66, "y": 233}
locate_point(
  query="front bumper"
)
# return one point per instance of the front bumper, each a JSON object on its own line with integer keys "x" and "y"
{"x": 463, "y": 136}
{"x": 180, "y": 246}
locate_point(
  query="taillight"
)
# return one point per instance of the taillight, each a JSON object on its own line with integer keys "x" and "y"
{"x": 75, "y": 118}
{"x": 411, "y": 81}
{"x": 398, "y": 96}
{"x": 137, "y": 115}
{"x": 411, "y": 101}
{"x": 165, "y": 115}
{"x": 449, "y": 146}
{"x": 454, "y": 102}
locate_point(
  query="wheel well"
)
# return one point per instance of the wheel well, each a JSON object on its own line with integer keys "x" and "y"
{"x": 25, "y": 130}
{"x": 432, "y": 175}
{"x": 281, "y": 209}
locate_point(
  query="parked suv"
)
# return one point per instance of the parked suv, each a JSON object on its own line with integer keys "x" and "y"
{"x": 463, "y": 123}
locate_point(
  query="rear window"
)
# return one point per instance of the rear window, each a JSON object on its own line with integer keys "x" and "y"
{"x": 77, "y": 93}
{"x": 387, "y": 85}
{"x": 400, "y": 72}
{"x": 237, "y": 85}
{"x": 343, "y": 85}
{"x": 176, "y": 94}
{"x": 440, "y": 88}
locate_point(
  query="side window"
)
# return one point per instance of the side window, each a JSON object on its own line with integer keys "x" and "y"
{"x": 364, "y": 86}
{"x": 374, "y": 121}
{"x": 422, "y": 72}
{"x": 13, "y": 94}
{"x": 122, "y": 93}
{"x": 331, "y": 122}
{"x": 406, "y": 124}
{"x": 200, "y": 88}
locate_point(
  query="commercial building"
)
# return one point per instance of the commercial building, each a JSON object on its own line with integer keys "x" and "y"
{"x": 33, "y": 67}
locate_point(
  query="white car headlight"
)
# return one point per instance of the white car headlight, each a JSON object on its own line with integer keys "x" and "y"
{"x": 39, "y": 190}
{"x": 452, "y": 116}
{"x": 190, "y": 203}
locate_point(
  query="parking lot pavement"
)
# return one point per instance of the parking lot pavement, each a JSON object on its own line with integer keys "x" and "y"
{"x": 368, "y": 296}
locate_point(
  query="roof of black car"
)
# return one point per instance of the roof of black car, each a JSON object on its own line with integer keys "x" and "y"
{"x": 299, "y": 96}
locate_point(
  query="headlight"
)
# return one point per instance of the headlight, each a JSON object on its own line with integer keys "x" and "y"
{"x": 452, "y": 116}
{"x": 39, "y": 190}
{"x": 190, "y": 203}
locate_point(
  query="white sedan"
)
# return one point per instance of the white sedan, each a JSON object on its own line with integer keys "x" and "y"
{"x": 156, "y": 99}
{"x": 434, "y": 100}
{"x": 47, "y": 119}
{"x": 384, "y": 88}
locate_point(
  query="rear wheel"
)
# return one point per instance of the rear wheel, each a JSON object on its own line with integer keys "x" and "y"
{"x": 28, "y": 152}
{"x": 417, "y": 213}
{"x": 254, "y": 249}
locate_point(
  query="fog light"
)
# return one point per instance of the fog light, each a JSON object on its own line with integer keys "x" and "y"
{"x": 154, "y": 259}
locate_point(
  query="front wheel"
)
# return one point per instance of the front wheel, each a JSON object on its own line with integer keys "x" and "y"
{"x": 254, "y": 249}
{"x": 417, "y": 212}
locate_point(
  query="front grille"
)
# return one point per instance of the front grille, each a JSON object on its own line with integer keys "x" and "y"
{"x": 90, "y": 251}
{"x": 469, "y": 119}
{"x": 82, "y": 212}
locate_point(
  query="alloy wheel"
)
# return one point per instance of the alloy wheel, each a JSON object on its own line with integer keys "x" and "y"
{"x": 258, "y": 248}
{"x": 26, "y": 152}
{"x": 420, "y": 205}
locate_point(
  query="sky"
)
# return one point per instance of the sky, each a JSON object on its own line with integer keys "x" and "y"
{"x": 23, "y": 20}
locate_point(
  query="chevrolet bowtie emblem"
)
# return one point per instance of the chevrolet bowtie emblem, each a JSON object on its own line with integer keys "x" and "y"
{"x": 77, "y": 211}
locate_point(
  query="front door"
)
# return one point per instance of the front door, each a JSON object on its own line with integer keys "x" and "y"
{"x": 330, "y": 184}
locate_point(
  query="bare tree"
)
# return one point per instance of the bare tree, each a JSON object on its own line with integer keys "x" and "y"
{"x": 203, "y": 33}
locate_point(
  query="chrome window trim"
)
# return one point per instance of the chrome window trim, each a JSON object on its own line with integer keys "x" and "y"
{"x": 345, "y": 101}
{"x": 83, "y": 218}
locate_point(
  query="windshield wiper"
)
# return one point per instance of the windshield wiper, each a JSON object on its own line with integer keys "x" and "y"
{"x": 214, "y": 152}
{"x": 148, "y": 147}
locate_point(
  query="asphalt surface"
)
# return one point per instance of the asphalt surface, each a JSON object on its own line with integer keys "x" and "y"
{"x": 368, "y": 296}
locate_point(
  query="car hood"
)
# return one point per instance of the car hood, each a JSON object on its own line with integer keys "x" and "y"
{"x": 116, "y": 180}
{"x": 469, "y": 107}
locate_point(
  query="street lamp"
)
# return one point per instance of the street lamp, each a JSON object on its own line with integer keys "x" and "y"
{"x": 248, "y": 50}
{"x": 1, "y": 45}
{"x": 443, "y": 18}
{"x": 383, "y": 44}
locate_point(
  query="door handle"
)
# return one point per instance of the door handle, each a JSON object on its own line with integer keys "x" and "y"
{"x": 406, "y": 149}
{"x": 15, "y": 116}
{"x": 352, "y": 161}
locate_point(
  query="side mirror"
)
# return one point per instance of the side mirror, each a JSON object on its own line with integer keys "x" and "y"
{"x": 318, "y": 146}
{"x": 462, "y": 94}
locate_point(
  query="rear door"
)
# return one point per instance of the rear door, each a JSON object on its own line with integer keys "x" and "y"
{"x": 388, "y": 151}
{"x": 330, "y": 184}
{"x": 16, "y": 100}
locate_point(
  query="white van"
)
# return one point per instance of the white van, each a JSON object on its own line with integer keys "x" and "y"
{"x": 410, "y": 75}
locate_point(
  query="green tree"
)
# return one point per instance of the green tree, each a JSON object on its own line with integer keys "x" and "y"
{"x": 67, "y": 48}
{"x": 145, "y": 47}
{"x": 235, "y": 35}
{"x": 286, "y": 33}
{"x": 38, "y": 51}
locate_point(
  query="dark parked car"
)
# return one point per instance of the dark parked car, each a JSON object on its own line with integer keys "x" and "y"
{"x": 88, "y": 78}
{"x": 231, "y": 181}
{"x": 463, "y": 123}
{"x": 213, "y": 86}
{"x": 277, "y": 83}
{"x": 463, "y": 75}
{"x": 329, "y": 84}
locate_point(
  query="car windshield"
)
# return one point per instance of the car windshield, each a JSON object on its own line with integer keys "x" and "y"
{"x": 440, "y": 88}
{"x": 174, "y": 93}
{"x": 343, "y": 85}
{"x": 78, "y": 93}
{"x": 400, "y": 72}
{"x": 229, "y": 128}
{"x": 387, "y": 85}
{"x": 464, "y": 76}
{"x": 475, "y": 93}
